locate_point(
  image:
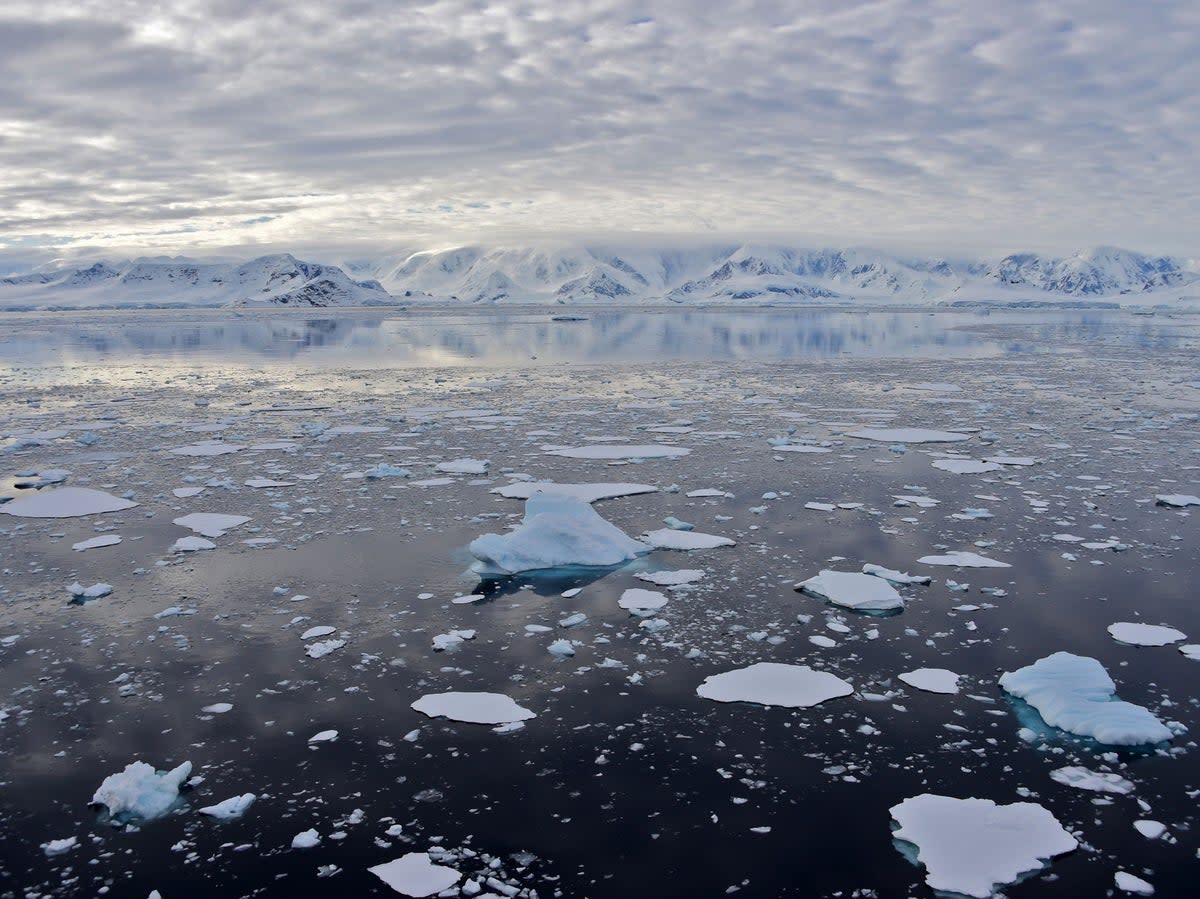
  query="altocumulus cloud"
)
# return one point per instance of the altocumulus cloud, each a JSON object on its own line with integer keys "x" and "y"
{"x": 214, "y": 122}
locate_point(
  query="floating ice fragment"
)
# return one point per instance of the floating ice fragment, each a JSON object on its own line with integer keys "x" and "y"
{"x": 853, "y": 590}
{"x": 637, "y": 598}
{"x": 140, "y": 792}
{"x": 671, "y": 578}
{"x": 306, "y": 839}
{"x": 1151, "y": 830}
{"x": 706, "y": 492}
{"x": 1191, "y": 651}
{"x": 208, "y": 448}
{"x": 1132, "y": 884}
{"x": 556, "y": 531}
{"x": 322, "y": 648}
{"x": 59, "y": 847}
{"x": 415, "y": 875}
{"x": 621, "y": 451}
{"x": 264, "y": 483}
{"x": 1076, "y": 694}
{"x": 472, "y": 708}
{"x": 191, "y": 545}
{"x": 96, "y": 542}
{"x": 81, "y": 594}
{"x": 667, "y": 538}
{"x": 561, "y": 648}
{"x": 1086, "y": 779}
{"x": 932, "y": 680}
{"x": 774, "y": 684}
{"x": 231, "y": 808}
{"x": 908, "y": 435}
{"x": 464, "y": 466}
{"x": 589, "y": 493}
{"x": 324, "y": 736}
{"x": 383, "y": 470}
{"x": 211, "y": 524}
{"x": 965, "y": 466}
{"x": 970, "y": 846}
{"x": 897, "y": 578}
{"x": 321, "y": 630}
{"x": 1138, "y": 634}
{"x": 963, "y": 560}
{"x": 1177, "y": 500}
{"x": 66, "y": 502}
{"x": 218, "y": 708}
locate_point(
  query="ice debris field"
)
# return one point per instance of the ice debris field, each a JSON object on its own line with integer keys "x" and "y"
{"x": 844, "y": 627}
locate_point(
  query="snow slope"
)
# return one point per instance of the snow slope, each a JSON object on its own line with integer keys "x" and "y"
{"x": 279, "y": 280}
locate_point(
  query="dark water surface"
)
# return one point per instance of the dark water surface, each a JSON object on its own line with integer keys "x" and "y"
{"x": 625, "y": 783}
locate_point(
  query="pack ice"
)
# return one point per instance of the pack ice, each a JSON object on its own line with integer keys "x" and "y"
{"x": 556, "y": 531}
{"x": 853, "y": 590}
{"x": 140, "y": 792}
{"x": 1076, "y": 694}
{"x": 969, "y": 846}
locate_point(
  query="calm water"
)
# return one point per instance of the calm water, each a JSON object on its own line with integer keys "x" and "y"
{"x": 626, "y": 783}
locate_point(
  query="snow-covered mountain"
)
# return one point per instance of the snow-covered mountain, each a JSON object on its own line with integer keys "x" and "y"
{"x": 279, "y": 280}
{"x": 576, "y": 274}
{"x": 764, "y": 273}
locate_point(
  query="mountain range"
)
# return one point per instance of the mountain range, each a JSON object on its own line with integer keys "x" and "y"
{"x": 569, "y": 274}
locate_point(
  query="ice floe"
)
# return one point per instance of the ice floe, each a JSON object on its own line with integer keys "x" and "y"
{"x": 965, "y": 466}
{"x": 774, "y": 684}
{"x": 908, "y": 435}
{"x": 621, "y": 451}
{"x": 588, "y": 493}
{"x": 971, "y": 846}
{"x": 211, "y": 524}
{"x": 853, "y": 590}
{"x": 932, "y": 680}
{"x": 636, "y": 598}
{"x": 1138, "y": 634}
{"x": 671, "y": 578}
{"x": 208, "y": 448}
{"x": 1178, "y": 500}
{"x": 415, "y": 875}
{"x": 464, "y": 466}
{"x": 1096, "y": 781}
{"x": 140, "y": 792}
{"x": 670, "y": 538}
{"x": 473, "y": 708}
{"x": 96, "y": 542}
{"x": 1131, "y": 883}
{"x": 896, "y": 578}
{"x": 66, "y": 502}
{"x": 961, "y": 559}
{"x": 1076, "y": 694}
{"x": 191, "y": 544}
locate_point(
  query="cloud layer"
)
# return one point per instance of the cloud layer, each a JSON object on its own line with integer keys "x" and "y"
{"x": 212, "y": 123}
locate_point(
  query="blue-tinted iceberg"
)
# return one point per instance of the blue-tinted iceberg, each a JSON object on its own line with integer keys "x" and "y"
{"x": 557, "y": 531}
{"x": 1076, "y": 694}
{"x": 140, "y": 792}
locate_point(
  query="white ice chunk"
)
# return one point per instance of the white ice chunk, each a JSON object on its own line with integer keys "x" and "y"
{"x": 892, "y": 576}
{"x": 464, "y": 466}
{"x": 1076, "y": 694}
{"x": 231, "y": 808}
{"x": 306, "y": 839}
{"x": 321, "y": 630}
{"x": 265, "y": 483}
{"x": 59, "y": 847}
{"x": 1178, "y": 500}
{"x": 1139, "y": 634}
{"x": 66, "y": 502}
{"x": 969, "y": 846}
{"x": 932, "y": 680}
{"x": 415, "y": 875}
{"x": 556, "y": 531}
{"x": 1151, "y": 830}
{"x": 637, "y": 598}
{"x": 324, "y": 736}
{"x": 963, "y": 560}
{"x": 1130, "y": 883}
{"x": 965, "y": 466}
{"x": 621, "y": 451}
{"x": 96, "y": 542}
{"x": 473, "y": 708}
{"x": 208, "y": 448}
{"x": 141, "y": 792}
{"x": 1096, "y": 781}
{"x": 907, "y": 435}
{"x": 853, "y": 590}
{"x": 671, "y": 578}
{"x": 191, "y": 545}
{"x": 589, "y": 493}
{"x": 774, "y": 684}
{"x": 669, "y": 538}
{"x": 211, "y": 524}
{"x": 322, "y": 648}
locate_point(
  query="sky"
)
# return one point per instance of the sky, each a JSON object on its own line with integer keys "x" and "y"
{"x": 963, "y": 125}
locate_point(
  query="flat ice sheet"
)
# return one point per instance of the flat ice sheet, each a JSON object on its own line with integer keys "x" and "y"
{"x": 473, "y": 708}
{"x": 66, "y": 502}
{"x": 775, "y": 684}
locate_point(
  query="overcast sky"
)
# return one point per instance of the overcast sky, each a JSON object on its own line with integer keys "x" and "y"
{"x": 962, "y": 125}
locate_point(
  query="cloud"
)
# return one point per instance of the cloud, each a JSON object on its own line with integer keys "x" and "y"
{"x": 1015, "y": 123}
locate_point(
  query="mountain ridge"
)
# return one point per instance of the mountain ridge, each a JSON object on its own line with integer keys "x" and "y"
{"x": 583, "y": 274}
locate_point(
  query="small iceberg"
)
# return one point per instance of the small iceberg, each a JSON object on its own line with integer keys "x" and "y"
{"x": 140, "y": 792}
{"x": 415, "y": 875}
{"x": 557, "y": 531}
{"x": 1076, "y": 694}
{"x": 231, "y": 808}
